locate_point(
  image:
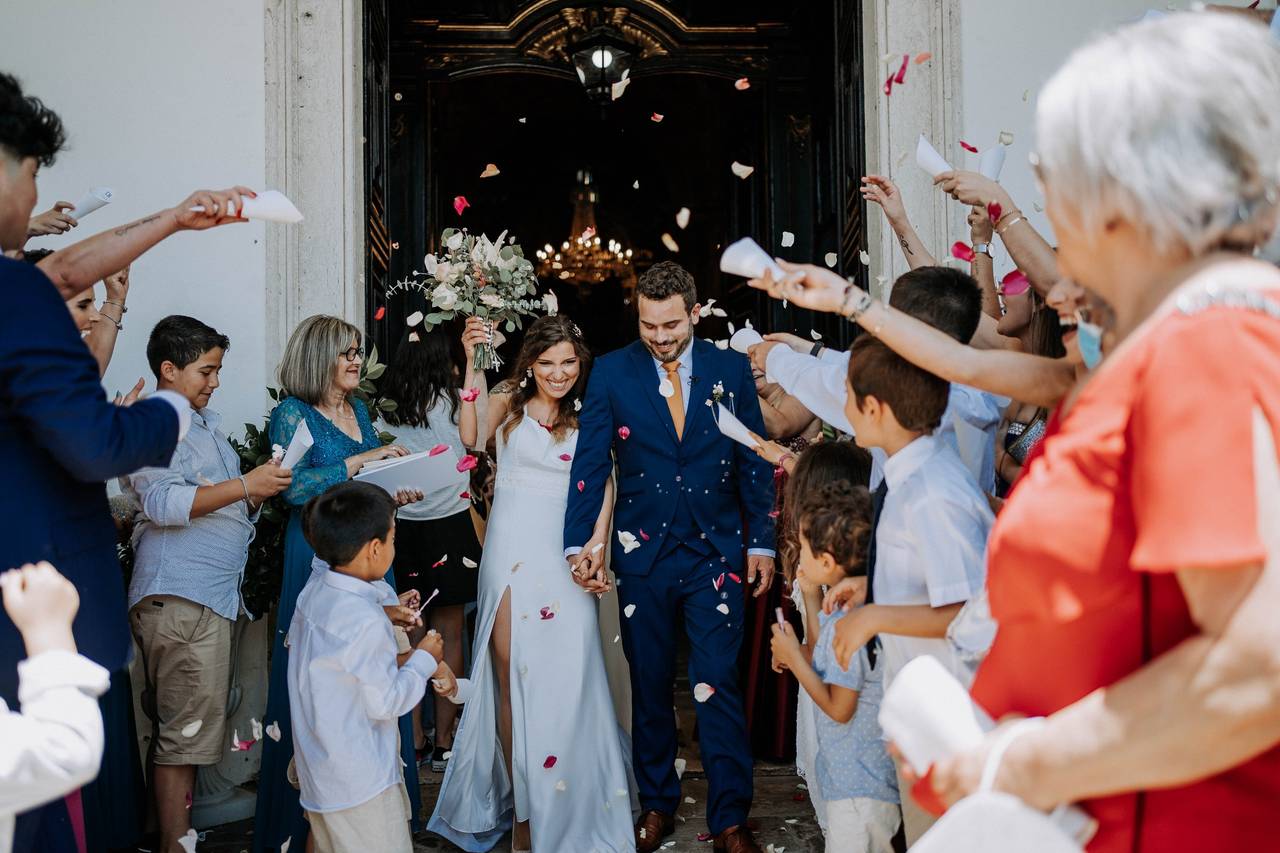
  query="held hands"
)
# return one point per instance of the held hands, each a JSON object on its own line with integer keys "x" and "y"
{"x": 267, "y": 481}
{"x": 432, "y": 644}
{"x": 882, "y": 191}
{"x": 785, "y": 646}
{"x": 805, "y": 285}
{"x": 587, "y": 567}
{"x": 955, "y": 777}
{"x": 217, "y": 207}
{"x": 55, "y": 220}
{"x": 846, "y": 595}
{"x": 410, "y": 598}
{"x": 759, "y": 566}
{"x": 42, "y": 603}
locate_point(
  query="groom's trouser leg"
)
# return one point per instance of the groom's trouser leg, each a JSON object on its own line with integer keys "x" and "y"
{"x": 714, "y": 640}
{"x": 649, "y": 641}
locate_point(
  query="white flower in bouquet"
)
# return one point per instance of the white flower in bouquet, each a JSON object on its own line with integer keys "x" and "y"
{"x": 444, "y": 297}
{"x": 430, "y": 264}
{"x": 454, "y": 242}
{"x": 493, "y": 300}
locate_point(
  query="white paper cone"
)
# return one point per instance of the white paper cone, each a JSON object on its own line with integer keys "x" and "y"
{"x": 271, "y": 206}
{"x": 744, "y": 339}
{"x": 928, "y": 158}
{"x": 298, "y": 446}
{"x": 747, "y": 259}
{"x": 928, "y": 714}
{"x": 91, "y": 201}
{"x": 992, "y": 162}
{"x": 730, "y": 426}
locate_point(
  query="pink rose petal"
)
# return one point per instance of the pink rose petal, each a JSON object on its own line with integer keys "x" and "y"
{"x": 547, "y": 613}
{"x": 963, "y": 251}
{"x": 549, "y": 763}
{"x": 1015, "y": 283}
{"x": 704, "y": 836}
{"x": 565, "y": 457}
{"x": 466, "y": 463}
{"x": 470, "y": 395}
{"x": 967, "y": 147}
{"x": 460, "y": 204}
{"x": 922, "y": 58}
{"x": 703, "y": 691}
{"x": 656, "y": 118}
{"x": 888, "y": 85}
{"x": 380, "y": 313}
{"x": 437, "y": 450}
{"x": 775, "y": 513}
{"x": 742, "y": 84}
{"x": 582, "y": 485}
{"x": 466, "y": 496}
{"x": 901, "y": 76}
{"x": 734, "y": 578}
{"x": 440, "y": 562}
{"x": 718, "y": 582}
{"x": 624, "y": 432}
{"x": 643, "y": 535}
{"x": 994, "y": 210}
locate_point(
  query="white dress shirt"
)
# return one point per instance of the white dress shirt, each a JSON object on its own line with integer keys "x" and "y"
{"x": 345, "y": 692}
{"x": 54, "y": 746}
{"x": 931, "y": 542}
{"x": 818, "y": 382}
{"x": 685, "y": 372}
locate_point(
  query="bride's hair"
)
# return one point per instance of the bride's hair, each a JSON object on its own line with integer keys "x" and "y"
{"x": 545, "y": 333}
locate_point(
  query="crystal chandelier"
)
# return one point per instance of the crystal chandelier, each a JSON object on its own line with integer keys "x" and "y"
{"x": 584, "y": 257}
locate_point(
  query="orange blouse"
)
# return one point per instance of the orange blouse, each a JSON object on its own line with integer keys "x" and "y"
{"x": 1151, "y": 471}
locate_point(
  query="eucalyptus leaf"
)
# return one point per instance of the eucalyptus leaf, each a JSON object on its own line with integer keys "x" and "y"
{"x": 511, "y": 325}
{"x": 376, "y": 371}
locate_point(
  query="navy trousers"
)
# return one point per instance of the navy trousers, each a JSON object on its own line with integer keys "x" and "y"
{"x": 683, "y": 582}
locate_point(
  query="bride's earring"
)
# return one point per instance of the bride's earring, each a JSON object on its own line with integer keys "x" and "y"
{"x": 527, "y": 374}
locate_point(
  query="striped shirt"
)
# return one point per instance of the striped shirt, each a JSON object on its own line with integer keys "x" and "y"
{"x": 200, "y": 559}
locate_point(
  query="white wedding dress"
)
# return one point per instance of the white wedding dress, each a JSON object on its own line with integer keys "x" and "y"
{"x": 571, "y": 760}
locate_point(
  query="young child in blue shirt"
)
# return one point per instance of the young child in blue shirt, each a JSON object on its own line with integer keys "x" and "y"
{"x": 854, "y": 769}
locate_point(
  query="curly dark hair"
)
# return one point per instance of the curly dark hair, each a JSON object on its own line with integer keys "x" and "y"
{"x": 666, "y": 279}
{"x": 545, "y": 333}
{"x": 821, "y": 463}
{"x": 836, "y": 520}
{"x": 27, "y": 127}
{"x": 423, "y": 372}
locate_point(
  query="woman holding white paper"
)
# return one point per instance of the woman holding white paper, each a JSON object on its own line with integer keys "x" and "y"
{"x": 320, "y": 373}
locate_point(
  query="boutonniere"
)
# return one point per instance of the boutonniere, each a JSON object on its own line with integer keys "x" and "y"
{"x": 718, "y": 395}
{"x": 717, "y": 392}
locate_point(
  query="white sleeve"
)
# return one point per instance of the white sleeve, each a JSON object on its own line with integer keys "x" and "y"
{"x": 386, "y": 691}
{"x": 979, "y": 409}
{"x": 54, "y": 745}
{"x": 818, "y": 384}
{"x": 466, "y": 689}
{"x": 953, "y": 553}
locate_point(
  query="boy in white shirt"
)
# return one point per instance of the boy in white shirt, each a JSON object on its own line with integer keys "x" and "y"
{"x": 930, "y": 524}
{"x": 54, "y": 744}
{"x": 345, "y": 690}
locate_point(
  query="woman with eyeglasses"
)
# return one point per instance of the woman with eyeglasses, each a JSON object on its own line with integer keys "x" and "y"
{"x": 319, "y": 373}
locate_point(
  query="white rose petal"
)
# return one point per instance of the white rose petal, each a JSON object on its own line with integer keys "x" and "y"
{"x": 628, "y": 610}
{"x": 680, "y": 765}
{"x": 723, "y": 608}
{"x": 722, "y": 344}
{"x": 628, "y": 541}
{"x": 188, "y": 841}
{"x": 273, "y": 732}
{"x": 468, "y": 562}
{"x": 561, "y": 786}
{"x": 413, "y": 319}
{"x": 690, "y": 800}
{"x": 665, "y": 388}
{"x": 1005, "y": 138}
{"x": 865, "y": 258}
{"x": 636, "y": 185}
{"x": 670, "y": 242}
{"x": 284, "y": 848}
{"x": 682, "y": 218}
{"x": 831, "y": 258}
{"x": 703, "y": 691}
{"x": 788, "y": 239}
{"x": 740, "y": 170}
{"x": 430, "y": 262}
{"x": 815, "y": 334}
{"x": 719, "y": 312}
{"x": 192, "y": 729}
{"x": 550, "y": 302}
{"x": 256, "y": 727}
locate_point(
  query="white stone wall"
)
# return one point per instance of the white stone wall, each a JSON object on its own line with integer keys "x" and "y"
{"x": 160, "y": 99}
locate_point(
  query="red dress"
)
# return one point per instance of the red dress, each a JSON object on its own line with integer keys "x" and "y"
{"x": 1151, "y": 471}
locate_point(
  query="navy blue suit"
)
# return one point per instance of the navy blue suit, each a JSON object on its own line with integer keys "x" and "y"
{"x": 60, "y": 440}
{"x": 696, "y": 503}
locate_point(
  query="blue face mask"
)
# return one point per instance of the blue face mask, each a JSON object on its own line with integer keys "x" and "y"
{"x": 1089, "y": 339}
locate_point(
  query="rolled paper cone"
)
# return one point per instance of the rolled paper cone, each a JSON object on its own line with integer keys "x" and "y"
{"x": 733, "y": 428}
{"x": 928, "y": 158}
{"x": 744, "y": 339}
{"x": 928, "y": 714}
{"x": 91, "y": 201}
{"x": 747, "y": 259}
{"x": 992, "y": 162}
{"x": 269, "y": 206}
{"x": 298, "y": 446}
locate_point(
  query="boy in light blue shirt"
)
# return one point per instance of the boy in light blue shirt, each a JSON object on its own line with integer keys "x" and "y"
{"x": 855, "y": 773}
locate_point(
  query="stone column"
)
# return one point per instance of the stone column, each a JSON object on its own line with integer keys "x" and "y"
{"x": 928, "y": 103}
{"x": 314, "y": 139}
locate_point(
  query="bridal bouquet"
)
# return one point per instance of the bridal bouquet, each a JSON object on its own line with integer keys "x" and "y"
{"x": 477, "y": 277}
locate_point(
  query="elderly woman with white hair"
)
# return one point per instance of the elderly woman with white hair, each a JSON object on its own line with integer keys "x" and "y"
{"x": 1135, "y": 570}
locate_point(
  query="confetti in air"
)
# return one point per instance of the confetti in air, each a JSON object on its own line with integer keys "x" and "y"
{"x": 740, "y": 170}
{"x": 490, "y": 170}
{"x": 460, "y": 204}
{"x": 788, "y": 239}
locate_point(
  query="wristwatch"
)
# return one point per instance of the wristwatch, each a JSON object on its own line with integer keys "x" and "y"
{"x": 816, "y": 348}
{"x": 982, "y": 249}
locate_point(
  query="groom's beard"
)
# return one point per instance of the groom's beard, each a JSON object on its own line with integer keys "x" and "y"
{"x": 674, "y": 352}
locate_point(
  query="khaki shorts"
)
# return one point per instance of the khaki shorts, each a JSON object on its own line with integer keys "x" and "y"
{"x": 186, "y": 657}
{"x": 382, "y": 824}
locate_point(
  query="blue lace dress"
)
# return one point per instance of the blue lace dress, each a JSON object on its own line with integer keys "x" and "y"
{"x": 279, "y": 815}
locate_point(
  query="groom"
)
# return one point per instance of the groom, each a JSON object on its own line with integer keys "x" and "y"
{"x": 691, "y": 506}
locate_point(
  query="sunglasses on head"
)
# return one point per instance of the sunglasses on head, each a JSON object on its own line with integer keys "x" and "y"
{"x": 1014, "y": 284}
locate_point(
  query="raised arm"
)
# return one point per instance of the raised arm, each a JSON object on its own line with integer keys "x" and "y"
{"x": 1030, "y": 378}
{"x": 89, "y": 261}
{"x": 1030, "y": 251}
{"x": 982, "y": 267}
{"x": 883, "y": 192}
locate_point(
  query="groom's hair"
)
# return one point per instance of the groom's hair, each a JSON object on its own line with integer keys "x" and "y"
{"x": 667, "y": 279}
{"x": 836, "y": 519}
{"x": 350, "y": 515}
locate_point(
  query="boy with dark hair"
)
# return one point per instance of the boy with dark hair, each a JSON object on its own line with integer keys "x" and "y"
{"x": 929, "y": 524}
{"x": 191, "y": 542}
{"x": 346, "y": 693}
{"x": 855, "y": 774}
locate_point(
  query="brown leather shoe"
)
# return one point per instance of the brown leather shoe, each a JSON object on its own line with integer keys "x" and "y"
{"x": 736, "y": 839}
{"x": 652, "y": 827}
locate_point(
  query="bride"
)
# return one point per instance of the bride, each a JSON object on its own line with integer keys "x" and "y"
{"x": 539, "y": 750}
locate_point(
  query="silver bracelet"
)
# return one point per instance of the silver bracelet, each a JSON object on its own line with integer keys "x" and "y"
{"x": 862, "y": 302}
{"x": 244, "y": 484}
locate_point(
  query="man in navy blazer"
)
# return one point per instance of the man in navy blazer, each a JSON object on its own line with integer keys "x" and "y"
{"x": 692, "y": 507}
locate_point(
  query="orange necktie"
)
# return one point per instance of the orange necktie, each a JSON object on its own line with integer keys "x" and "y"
{"x": 676, "y": 401}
